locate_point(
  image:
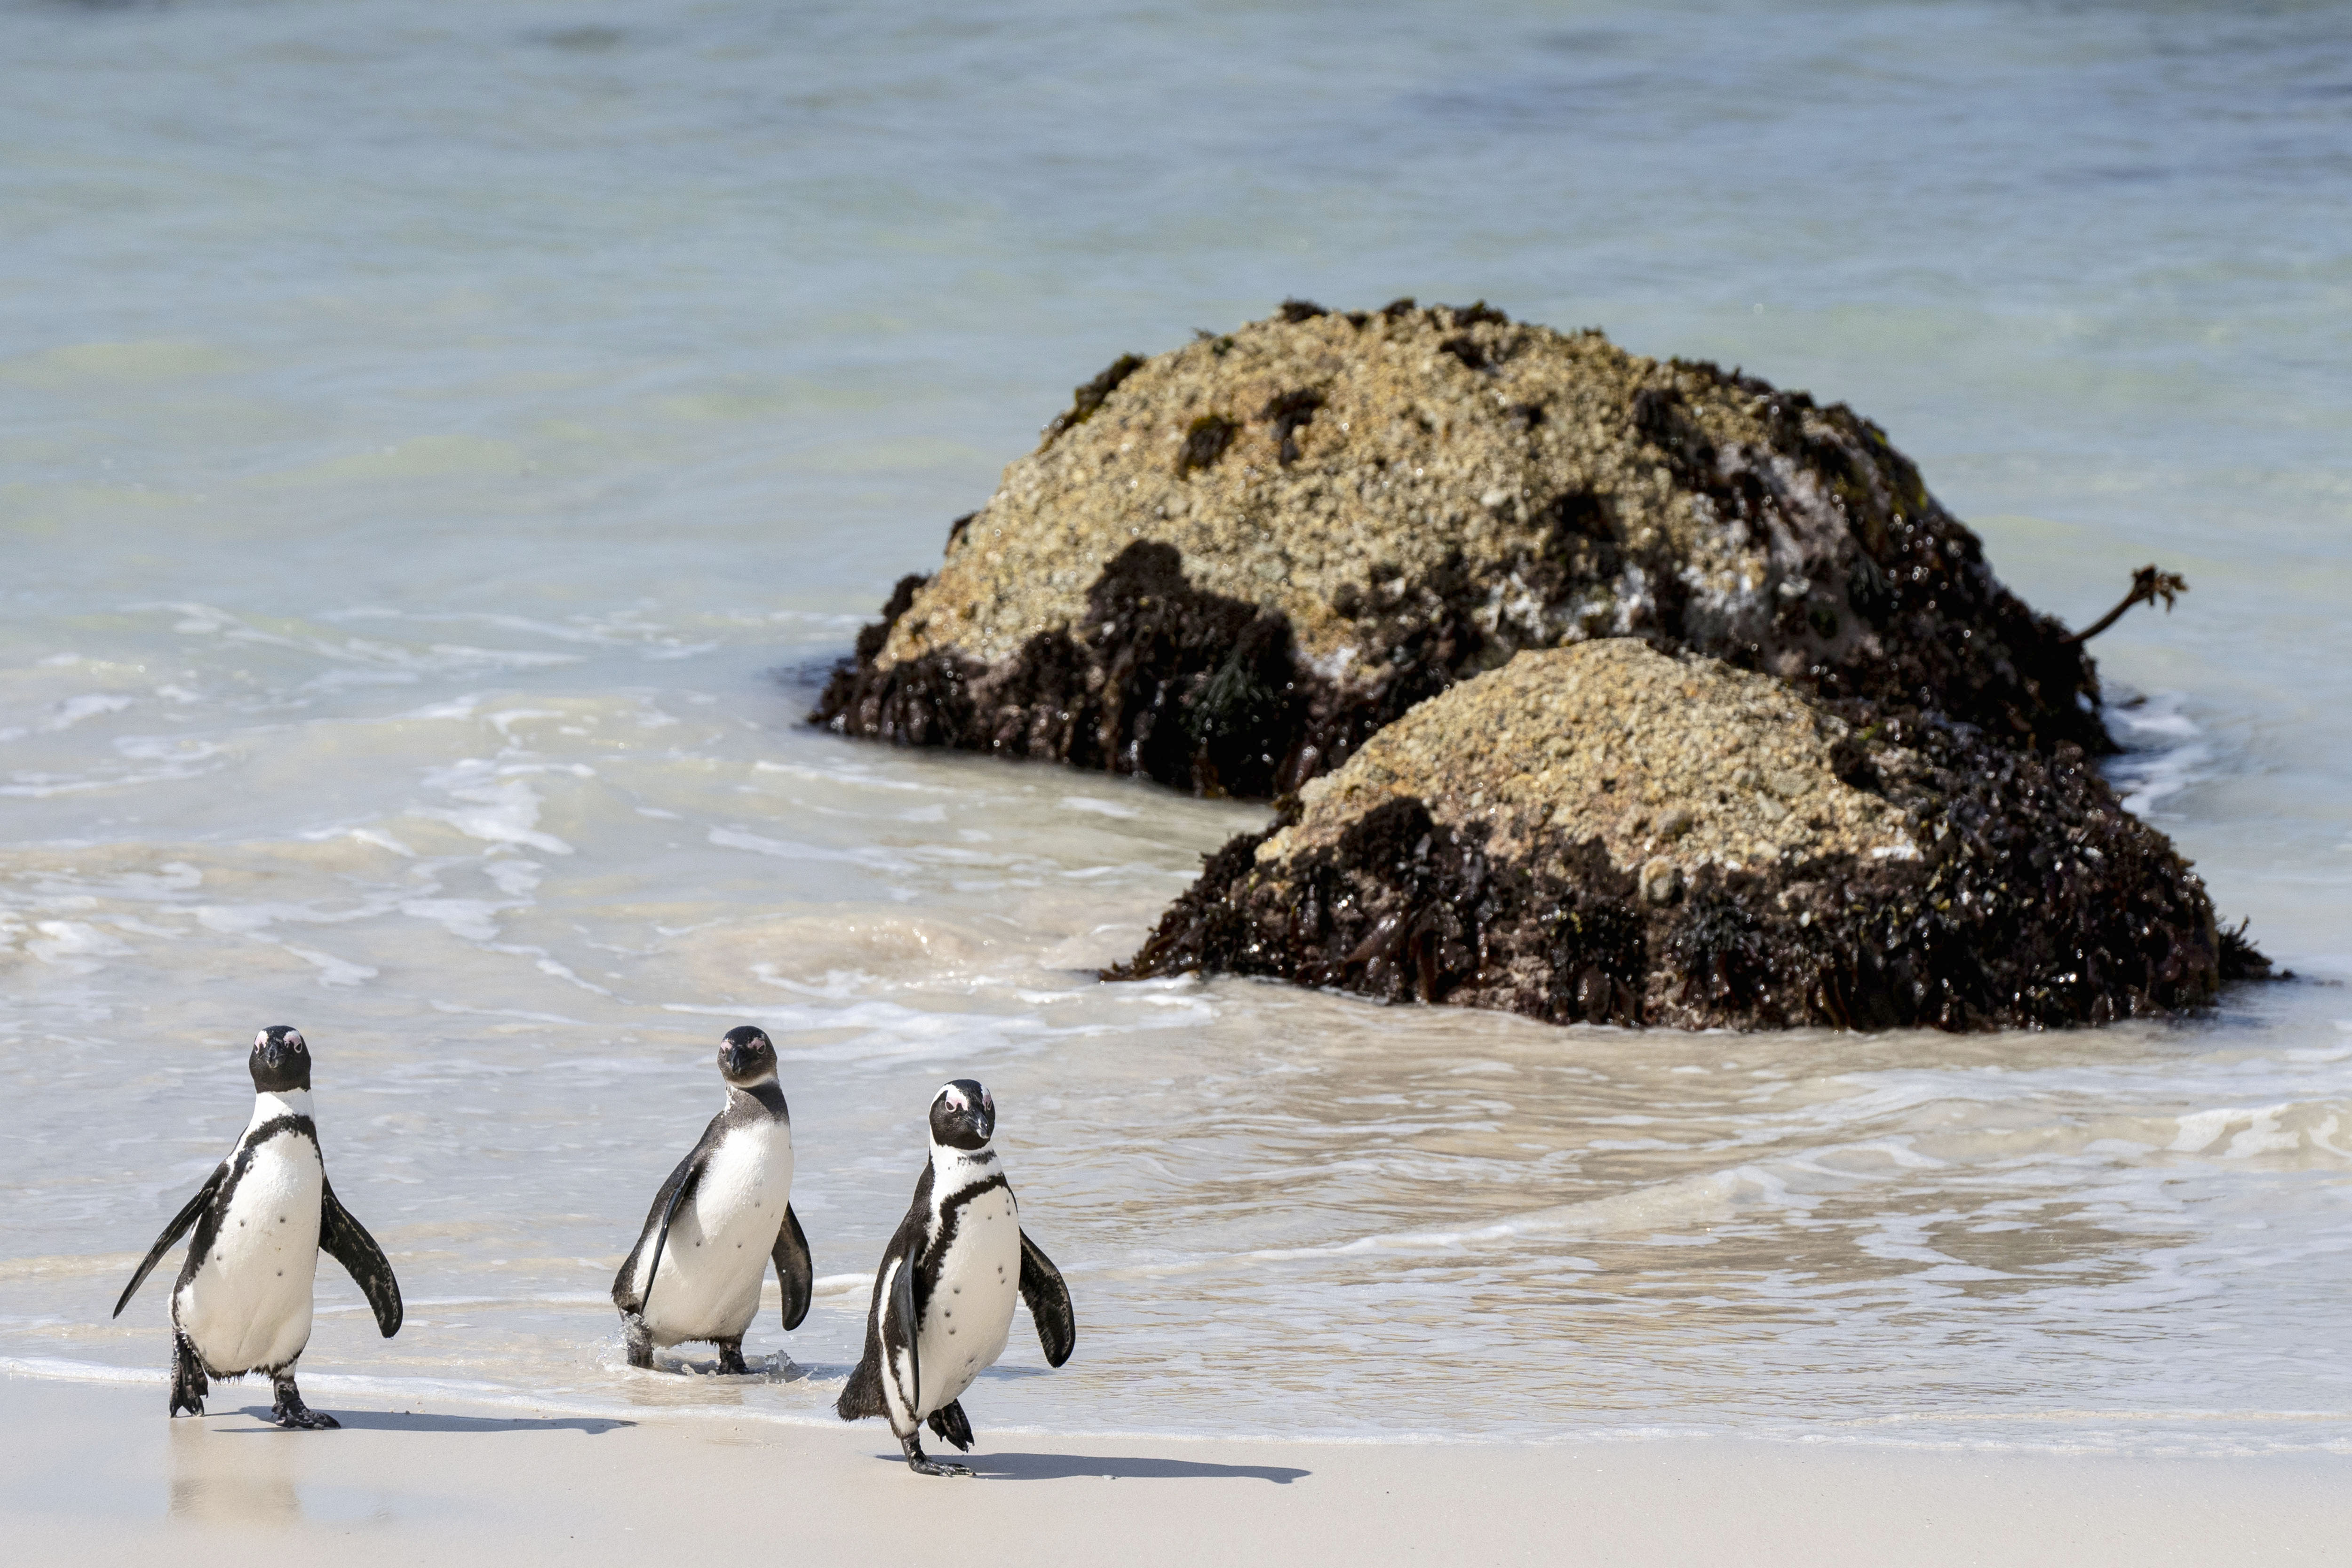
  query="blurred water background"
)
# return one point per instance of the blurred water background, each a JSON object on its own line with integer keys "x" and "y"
{"x": 440, "y": 448}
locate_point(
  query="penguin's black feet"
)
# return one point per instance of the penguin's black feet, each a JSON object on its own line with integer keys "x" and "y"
{"x": 949, "y": 1422}
{"x": 730, "y": 1357}
{"x": 289, "y": 1411}
{"x": 922, "y": 1463}
{"x": 640, "y": 1341}
{"x": 188, "y": 1384}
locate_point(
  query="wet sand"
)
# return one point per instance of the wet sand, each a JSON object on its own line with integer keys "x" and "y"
{"x": 96, "y": 1472}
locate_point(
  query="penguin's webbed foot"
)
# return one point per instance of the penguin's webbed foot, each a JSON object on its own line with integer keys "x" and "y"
{"x": 730, "y": 1357}
{"x": 949, "y": 1423}
{"x": 922, "y": 1463}
{"x": 188, "y": 1384}
{"x": 640, "y": 1342}
{"x": 305, "y": 1420}
{"x": 288, "y": 1411}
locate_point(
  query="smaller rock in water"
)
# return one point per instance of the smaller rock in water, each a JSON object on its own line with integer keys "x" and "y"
{"x": 1611, "y": 834}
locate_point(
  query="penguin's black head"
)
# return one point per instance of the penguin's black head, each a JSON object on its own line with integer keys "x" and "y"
{"x": 280, "y": 1061}
{"x": 963, "y": 1116}
{"x": 746, "y": 1057}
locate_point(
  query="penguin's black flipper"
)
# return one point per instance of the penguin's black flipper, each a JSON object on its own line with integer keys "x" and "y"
{"x": 172, "y": 1232}
{"x": 1049, "y": 1302}
{"x": 688, "y": 1177}
{"x": 949, "y": 1423}
{"x": 888, "y": 1376}
{"x": 794, "y": 1271}
{"x": 902, "y": 1366}
{"x": 346, "y": 1241}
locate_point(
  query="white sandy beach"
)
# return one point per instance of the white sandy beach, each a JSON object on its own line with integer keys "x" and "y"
{"x": 96, "y": 1473}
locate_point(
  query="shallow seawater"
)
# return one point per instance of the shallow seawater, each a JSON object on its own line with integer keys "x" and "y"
{"x": 438, "y": 455}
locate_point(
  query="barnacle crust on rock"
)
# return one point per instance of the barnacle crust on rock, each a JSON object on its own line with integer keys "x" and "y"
{"x": 1609, "y": 833}
{"x": 1226, "y": 566}
{"x": 1695, "y": 761}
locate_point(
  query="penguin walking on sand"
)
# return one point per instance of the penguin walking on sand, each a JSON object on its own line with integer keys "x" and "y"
{"x": 722, "y": 1216}
{"x": 243, "y": 1301}
{"x": 943, "y": 1297}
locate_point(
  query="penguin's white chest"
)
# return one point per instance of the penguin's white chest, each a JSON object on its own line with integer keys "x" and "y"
{"x": 722, "y": 1237}
{"x": 970, "y": 1313}
{"x": 247, "y": 1305}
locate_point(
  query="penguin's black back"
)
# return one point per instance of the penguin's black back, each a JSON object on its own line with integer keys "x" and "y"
{"x": 862, "y": 1394}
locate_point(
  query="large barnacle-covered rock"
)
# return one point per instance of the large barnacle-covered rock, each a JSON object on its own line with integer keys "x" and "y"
{"x": 1612, "y": 834}
{"x": 1226, "y": 567}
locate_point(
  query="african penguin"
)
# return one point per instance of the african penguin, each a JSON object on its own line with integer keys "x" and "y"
{"x": 943, "y": 1296}
{"x": 243, "y": 1301}
{"x": 724, "y": 1213}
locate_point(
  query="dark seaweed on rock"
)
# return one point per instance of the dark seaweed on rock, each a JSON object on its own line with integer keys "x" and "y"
{"x": 2040, "y": 903}
{"x": 1204, "y": 443}
{"x": 1953, "y": 640}
{"x": 1287, "y": 412}
{"x": 1190, "y": 689}
{"x": 1090, "y": 396}
{"x": 1157, "y": 679}
{"x": 1405, "y": 909}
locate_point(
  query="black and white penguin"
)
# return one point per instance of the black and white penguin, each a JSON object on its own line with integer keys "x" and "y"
{"x": 722, "y": 1216}
{"x": 943, "y": 1296}
{"x": 243, "y": 1302}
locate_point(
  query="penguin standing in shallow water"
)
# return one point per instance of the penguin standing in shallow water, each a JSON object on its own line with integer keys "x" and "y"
{"x": 243, "y": 1301}
{"x": 943, "y": 1296}
{"x": 722, "y": 1216}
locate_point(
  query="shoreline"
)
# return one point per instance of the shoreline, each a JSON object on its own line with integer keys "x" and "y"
{"x": 702, "y": 1399}
{"x": 98, "y": 1470}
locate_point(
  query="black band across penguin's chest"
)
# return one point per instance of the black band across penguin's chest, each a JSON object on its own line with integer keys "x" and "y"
{"x": 208, "y": 1223}
{"x": 942, "y": 1244}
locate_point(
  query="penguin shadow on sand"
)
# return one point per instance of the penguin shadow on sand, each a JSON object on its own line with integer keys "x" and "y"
{"x": 1116, "y": 1466}
{"x": 427, "y": 1421}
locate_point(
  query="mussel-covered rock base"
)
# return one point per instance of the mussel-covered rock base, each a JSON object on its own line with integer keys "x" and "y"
{"x": 1611, "y": 834}
{"x": 1226, "y": 567}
